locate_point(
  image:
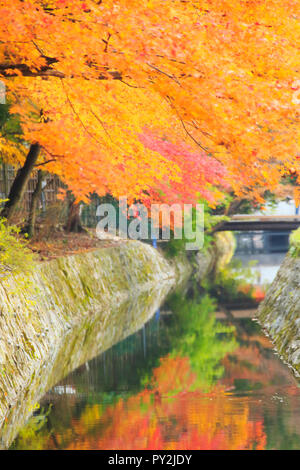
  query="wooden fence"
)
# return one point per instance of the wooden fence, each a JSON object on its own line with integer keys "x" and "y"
{"x": 51, "y": 185}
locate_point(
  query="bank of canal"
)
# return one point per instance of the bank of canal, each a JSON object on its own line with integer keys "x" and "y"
{"x": 67, "y": 311}
{"x": 189, "y": 378}
{"x": 160, "y": 368}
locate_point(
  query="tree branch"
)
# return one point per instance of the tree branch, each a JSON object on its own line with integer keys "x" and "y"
{"x": 11, "y": 70}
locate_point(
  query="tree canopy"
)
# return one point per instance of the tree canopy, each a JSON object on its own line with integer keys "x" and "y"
{"x": 213, "y": 80}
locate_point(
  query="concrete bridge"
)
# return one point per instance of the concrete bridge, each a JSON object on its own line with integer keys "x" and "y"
{"x": 248, "y": 223}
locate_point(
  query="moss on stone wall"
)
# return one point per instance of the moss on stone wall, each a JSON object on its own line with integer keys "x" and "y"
{"x": 279, "y": 313}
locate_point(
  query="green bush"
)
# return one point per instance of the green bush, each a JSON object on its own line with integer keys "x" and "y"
{"x": 295, "y": 243}
{"x": 14, "y": 254}
{"x": 174, "y": 247}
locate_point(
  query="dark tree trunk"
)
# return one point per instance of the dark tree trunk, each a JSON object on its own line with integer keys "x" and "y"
{"x": 20, "y": 182}
{"x": 30, "y": 229}
{"x": 5, "y": 179}
{"x": 74, "y": 223}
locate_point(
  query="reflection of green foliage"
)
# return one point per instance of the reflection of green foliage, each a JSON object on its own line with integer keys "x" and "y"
{"x": 244, "y": 385}
{"x": 250, "y": 327}
{"x": 32, "y": 432}
{"x": 190, "y": 331}
{"x": 281, "y": 433}
{"x": 193, "y": 331}
{"x": 198, "y": 335}
{"x": 230, "y": 281}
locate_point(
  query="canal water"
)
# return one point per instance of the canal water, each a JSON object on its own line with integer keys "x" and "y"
{"x": 196, "y": 376}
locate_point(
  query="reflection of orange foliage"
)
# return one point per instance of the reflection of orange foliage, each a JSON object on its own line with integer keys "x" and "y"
{"x": 172, "y": 375}
{"x": 152, "y": 420}
{"x": 245, "y": 288}
{"x": 249, "y": 364}
{"x": 258, "y": 294}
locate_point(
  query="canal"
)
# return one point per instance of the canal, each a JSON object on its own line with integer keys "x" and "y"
{"x": 200, "y": 374}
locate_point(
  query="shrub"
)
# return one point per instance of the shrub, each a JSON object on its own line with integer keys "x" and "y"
{"x": 14, "y": 254}
{"x": 295, "y": 243}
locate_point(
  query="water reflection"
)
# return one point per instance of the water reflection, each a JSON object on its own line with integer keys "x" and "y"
{"x": 264, "y": 250}
{"x": 184, "y": 381}
{"x": 265, "y": 267}
{"x": 97, "y": 332}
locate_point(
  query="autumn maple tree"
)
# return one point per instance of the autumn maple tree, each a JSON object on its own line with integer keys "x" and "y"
{"x": 135, "y": 97}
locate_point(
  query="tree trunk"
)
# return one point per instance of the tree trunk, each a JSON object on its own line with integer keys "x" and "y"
{"x": 74, "y": 223}
{"x": 30, "y": 229}
{"x": 20, "y": 182}
{"x": 5, "y": 179}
